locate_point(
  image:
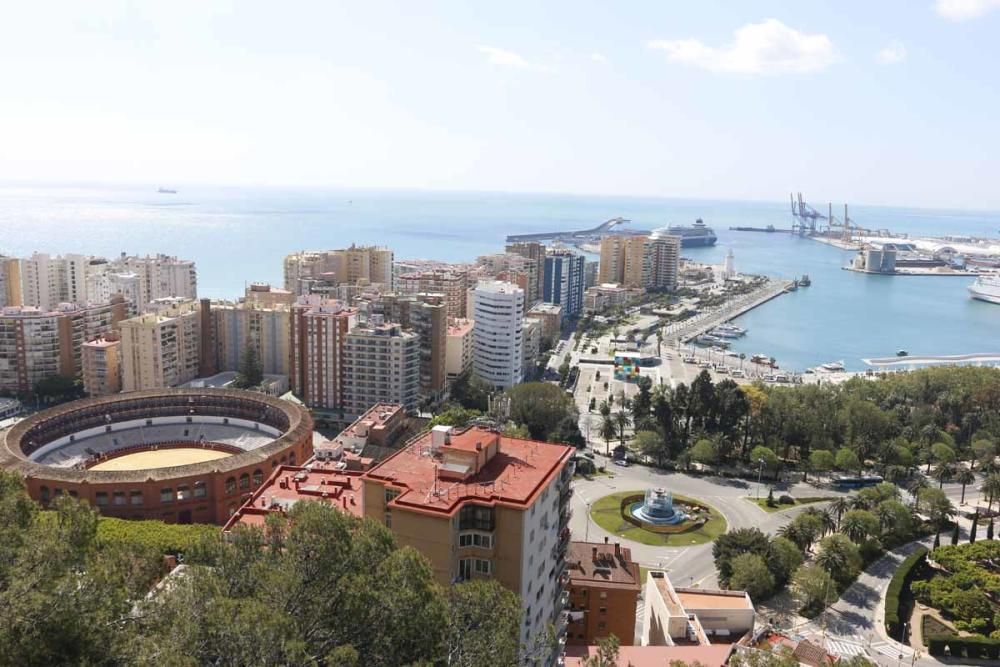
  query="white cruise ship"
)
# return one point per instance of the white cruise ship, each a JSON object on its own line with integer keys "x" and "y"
{"x": 986, "y": 288}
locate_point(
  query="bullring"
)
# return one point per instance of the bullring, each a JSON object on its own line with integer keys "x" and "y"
{"x": 178, "y": 455}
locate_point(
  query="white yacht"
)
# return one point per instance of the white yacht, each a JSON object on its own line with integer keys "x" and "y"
{"x": 986, "y": 288}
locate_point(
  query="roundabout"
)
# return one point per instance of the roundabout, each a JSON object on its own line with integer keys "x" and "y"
{"x": 657, "y": 517}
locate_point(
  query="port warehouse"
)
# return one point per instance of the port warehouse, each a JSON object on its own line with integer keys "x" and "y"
{"x": 278, "y": 432}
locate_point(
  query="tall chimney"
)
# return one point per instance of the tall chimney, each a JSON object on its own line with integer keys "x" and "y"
{"x": 594, "y": 551}
{"x": 618, "y": 550}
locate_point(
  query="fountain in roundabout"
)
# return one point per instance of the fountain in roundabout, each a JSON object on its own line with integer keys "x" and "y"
{"x": 657, "y": 508}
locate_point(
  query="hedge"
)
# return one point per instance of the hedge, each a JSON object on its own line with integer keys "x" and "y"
{"x": 964, "y": 647}
{"x": 163, "y": 538}
{"x": 899, "y": 579}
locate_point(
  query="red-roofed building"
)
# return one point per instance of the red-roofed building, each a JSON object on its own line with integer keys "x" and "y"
{"x": 603, "y": 590}
{"x": 481, "y": 505}
{"x": 288, "y": 485}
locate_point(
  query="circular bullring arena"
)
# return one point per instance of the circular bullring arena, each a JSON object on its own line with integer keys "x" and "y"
{"x": 178, "y": 455}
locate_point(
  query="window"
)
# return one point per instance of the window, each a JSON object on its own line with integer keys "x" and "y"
{"x": 199, "y": 490}
{"x": 166, "y": 495}
{"x": 604, "y": 595}
{"x": 484, "y": 566}
{"x": 101, "y": 498}
{"x": 481, "y": 540}
{"x": 230, "y": 485}
{"x": 258, "y": 477}
{"x": 602, "y": 610}
{"x": 465, "y": 568}
{"x": 390, "y": 494}
{"x": 476, "y": 517}
{"x": 245, "y": 481}
{"x": 135, "y": 497}
{"x": 602, "y": 625}
{"x": 184, "y": 492}
{"x": 43, "y": 494}
{"x": 118, "y": 498}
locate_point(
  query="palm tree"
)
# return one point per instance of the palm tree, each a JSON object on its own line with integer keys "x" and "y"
{"x": 885, "y": 517}
{"x": 826, "y": 521}
{"x": 605, "y": 408}
{"x": 943, "y": 473}
{"x": 623, "y": 419}
{"x": 857, "y": 503}
{"x": 839, "y": 506}
{"x": 794, "y": 533}
{"x": 991, "y": 489}
{"x": 965, "y": 477}
{"x": 915, "y": 485}
{"x": 659, "y": 340}
{"x": 854, "y": 528}
{"x": 608, "y": 431}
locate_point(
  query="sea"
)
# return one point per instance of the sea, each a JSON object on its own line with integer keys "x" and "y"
{"x": 240, "y": 235}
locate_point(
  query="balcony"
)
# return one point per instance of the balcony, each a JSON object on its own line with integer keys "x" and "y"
{"x": 565, "y": 495}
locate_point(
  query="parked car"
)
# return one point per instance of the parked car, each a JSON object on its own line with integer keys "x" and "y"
{"x": 622, "y": 462}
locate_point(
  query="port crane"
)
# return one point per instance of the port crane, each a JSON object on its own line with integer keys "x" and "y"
{"x": 804, "y": 216}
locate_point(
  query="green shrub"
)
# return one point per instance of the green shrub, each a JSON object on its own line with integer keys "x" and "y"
{"x": 786, "y": 500}
{"x": 163, "y": 538}
{"x": 964, "y": 647}
{"x": 892, "y": 623}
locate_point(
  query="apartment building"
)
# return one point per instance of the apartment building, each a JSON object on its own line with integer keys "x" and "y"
{"x": 232, "y": 327}
{"x": 602, "y": 297}
{"x": 562, "y": 281}
{"x": 661, "y": 262}
{"x": 497, "y": 336}
{"x": 604, "y": 588}
{"x": 535, "y": 253}
{"x": 265, "y": 295}
{"x": 453, "y": 284}
{"x": 515, "y": 268}
{"x": 622, "y": 260}
{"x": 318, "y": 333}
{"x": 103, "y": 283}
{"x": 550, "y": 315}
{"x": 162, "y": 348}
{"x": 47, "y": 281}
{"x": 36, "y": 344}
{"x": 458, "y": 351}
{"x": 531, "y": 347}
{"x": 427, "y": 316}
{"x": 481, "y": 505}
{"x": 381, "y": 365}
{"x": 102, "y": 369}
{"x": 160, "y": 276}
{"x": 675, "y": 615}
{"x": 356, "y": 264}
{"x": 10, "y": 282}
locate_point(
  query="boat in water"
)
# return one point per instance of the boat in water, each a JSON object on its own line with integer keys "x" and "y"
{"x": 694, "y": 236}
{"x": 731, "y": 328}
{"x": 832, "y": 367}
{"x": 166, "y": 191}
{"x": 805, "y": 281}
{"x": 986, "y": 288}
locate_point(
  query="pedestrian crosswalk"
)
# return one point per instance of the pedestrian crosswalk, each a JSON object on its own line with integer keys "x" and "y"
{"x": 895, "y": 651}
{"x": 845, "y": 647}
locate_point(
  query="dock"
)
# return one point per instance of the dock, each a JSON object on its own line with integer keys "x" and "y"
{"x": 978, "y": 357}
{"x": 707, "y": 321}
{"x": 606, "y": 228}
{"x": 767, "y": 230}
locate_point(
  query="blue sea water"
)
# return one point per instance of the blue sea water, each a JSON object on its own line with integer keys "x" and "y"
{"x": 239, "y": 235}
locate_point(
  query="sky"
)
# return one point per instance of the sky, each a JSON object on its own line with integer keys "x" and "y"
{"x": 891, "y": 102}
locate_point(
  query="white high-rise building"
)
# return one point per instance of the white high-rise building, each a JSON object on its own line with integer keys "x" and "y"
{"x": 47, "y": 281}
{"x": 497, "y": 343}
{"x": 160, "y": 276}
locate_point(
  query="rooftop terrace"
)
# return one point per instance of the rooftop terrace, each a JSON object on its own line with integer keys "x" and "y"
{"x": 438, "y": 474}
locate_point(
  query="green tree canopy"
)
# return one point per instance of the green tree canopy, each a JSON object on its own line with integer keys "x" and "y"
{"x": 540, "y": 406}
{"x": 751, "y": 574}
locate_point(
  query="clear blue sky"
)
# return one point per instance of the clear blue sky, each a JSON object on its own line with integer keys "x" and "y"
{"x": 894, "y": 102}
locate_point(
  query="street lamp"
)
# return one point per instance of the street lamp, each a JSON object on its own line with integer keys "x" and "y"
{"x": 586, "y": 537}
{"x": 760, "y": 471}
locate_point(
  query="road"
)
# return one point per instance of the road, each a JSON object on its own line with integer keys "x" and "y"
{"x": 688, "y": 565}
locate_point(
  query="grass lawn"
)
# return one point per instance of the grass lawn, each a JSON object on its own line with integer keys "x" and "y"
{"x": 762, "y": 503}
{"x": 606, "y": 513}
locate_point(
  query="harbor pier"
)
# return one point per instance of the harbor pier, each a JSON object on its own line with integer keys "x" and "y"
{"x": 682, "y": 332}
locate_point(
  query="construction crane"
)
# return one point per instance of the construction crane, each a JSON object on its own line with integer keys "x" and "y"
{"x": 804, "y": 216}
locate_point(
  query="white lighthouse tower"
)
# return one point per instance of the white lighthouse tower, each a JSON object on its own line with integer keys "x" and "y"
{"x": 728, "y": 270}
